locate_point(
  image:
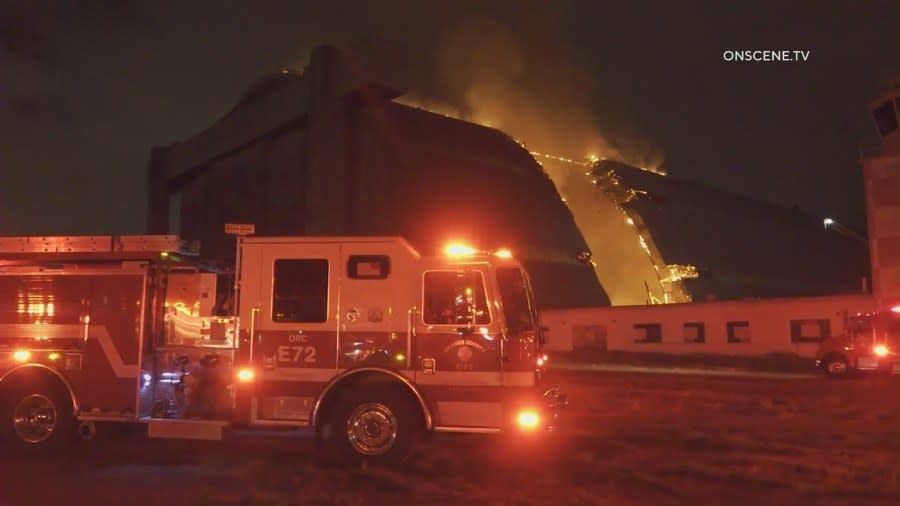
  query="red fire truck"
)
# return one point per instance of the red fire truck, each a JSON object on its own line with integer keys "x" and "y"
{"x": 870, "y": 342}
{"x": 362, "y": 339}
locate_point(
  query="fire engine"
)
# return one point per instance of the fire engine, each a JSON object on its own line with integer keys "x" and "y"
{"x": 870, "y": 342}
{"x": 360, "y": 338}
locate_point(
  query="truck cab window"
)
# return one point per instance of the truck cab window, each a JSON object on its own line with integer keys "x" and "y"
{"x": 885, "y": 118}
{"x": 455, "y": 298}
{"x": 368, "y": 267}
{"x": 300, "y": 291}
{"x": 892, "y": 330}
{"x": 514, "y": 296}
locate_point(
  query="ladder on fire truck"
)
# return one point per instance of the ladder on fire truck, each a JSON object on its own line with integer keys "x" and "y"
{"x": 96, "y": 246}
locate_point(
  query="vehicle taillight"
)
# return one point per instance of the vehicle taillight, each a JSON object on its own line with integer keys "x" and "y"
{"x": 880, "y": 350}
{"x": 21, "y": 355}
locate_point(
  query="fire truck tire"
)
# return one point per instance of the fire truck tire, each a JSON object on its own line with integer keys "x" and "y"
{"x": 836, "y": 366}
{"x": 378, "y": 425}
{"x": 36, "y": 417}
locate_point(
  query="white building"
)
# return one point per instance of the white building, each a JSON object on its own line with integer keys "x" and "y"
{"x": 740, "y": 327}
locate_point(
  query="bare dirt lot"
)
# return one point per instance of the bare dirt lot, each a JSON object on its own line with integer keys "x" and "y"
{"x": 642, "y": 439}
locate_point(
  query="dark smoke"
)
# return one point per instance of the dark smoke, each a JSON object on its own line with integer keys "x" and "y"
{"x": 510, "y": 65}
{"x": 514, "y": 66}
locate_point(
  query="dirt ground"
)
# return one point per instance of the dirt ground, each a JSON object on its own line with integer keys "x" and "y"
{"x": 627, "y": 439}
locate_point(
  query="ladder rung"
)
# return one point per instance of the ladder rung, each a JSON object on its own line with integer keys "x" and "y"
{"x": 96, "y": 244}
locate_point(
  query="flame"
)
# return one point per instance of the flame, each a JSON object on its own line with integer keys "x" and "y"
{"x": 629, "y": 272}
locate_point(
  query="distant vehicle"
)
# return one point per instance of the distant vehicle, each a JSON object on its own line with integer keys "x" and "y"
{"x": 360, "y": 338}
{"x": 870, "y": 342}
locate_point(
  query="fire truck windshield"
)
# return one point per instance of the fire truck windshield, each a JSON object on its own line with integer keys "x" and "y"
{"x": 517, "y": 308}
{"x": 893, "y": 331}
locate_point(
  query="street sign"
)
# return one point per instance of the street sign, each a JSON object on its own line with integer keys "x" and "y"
{"x": 240, "y": 228}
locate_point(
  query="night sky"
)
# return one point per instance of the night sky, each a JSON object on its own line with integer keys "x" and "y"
{"x": 88, "y": 87}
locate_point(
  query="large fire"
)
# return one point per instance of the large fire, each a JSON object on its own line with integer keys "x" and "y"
{"x": 627, "y": 263}
{"x": 625, "y": 260}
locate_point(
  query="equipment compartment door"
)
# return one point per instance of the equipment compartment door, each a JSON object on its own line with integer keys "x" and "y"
{"x": 376, "y": 294}
{"x": 111, "y": 353}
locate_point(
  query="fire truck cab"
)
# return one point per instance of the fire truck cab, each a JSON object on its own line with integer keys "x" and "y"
{"x": 870, "y": 342}
{"x": 362, "y": 339}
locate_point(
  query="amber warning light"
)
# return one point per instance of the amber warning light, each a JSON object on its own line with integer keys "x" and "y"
{"x": 528, "y": 419}
{"x": 456, "y": 249}
{"x": 245, "y": 375}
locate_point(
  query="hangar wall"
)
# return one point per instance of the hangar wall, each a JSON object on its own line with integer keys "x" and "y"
{"x": 326, "y": 152}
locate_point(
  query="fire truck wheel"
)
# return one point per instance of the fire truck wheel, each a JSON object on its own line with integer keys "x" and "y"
{"x": 377, "y": 425}
{"x": 36, "y": 417}
{"x": 837, "y": 366}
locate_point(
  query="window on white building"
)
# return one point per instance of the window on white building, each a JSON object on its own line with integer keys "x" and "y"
{"x": 738, "y": 332}
{"x": 810, "y": 331}
{"x": 647, "y": 333}
{"x": 694, "y": 332}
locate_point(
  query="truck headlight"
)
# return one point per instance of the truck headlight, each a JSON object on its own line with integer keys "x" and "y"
{"x": 528, "y": 419}
{"x": 246, "y": 375}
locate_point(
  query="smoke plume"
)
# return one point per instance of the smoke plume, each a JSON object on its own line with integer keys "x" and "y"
{"x": 515, "y": 67}
{"x": 509, "y": 65}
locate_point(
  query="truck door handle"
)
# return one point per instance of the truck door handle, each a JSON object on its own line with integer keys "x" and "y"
{"x": 410, "y": 333}
{"x": 254, "y": 339}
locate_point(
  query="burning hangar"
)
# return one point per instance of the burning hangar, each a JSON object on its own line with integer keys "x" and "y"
{"x": 328, "y": 151}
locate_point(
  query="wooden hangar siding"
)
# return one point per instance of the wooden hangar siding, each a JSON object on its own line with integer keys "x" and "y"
{"x": 328, "y": 153}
